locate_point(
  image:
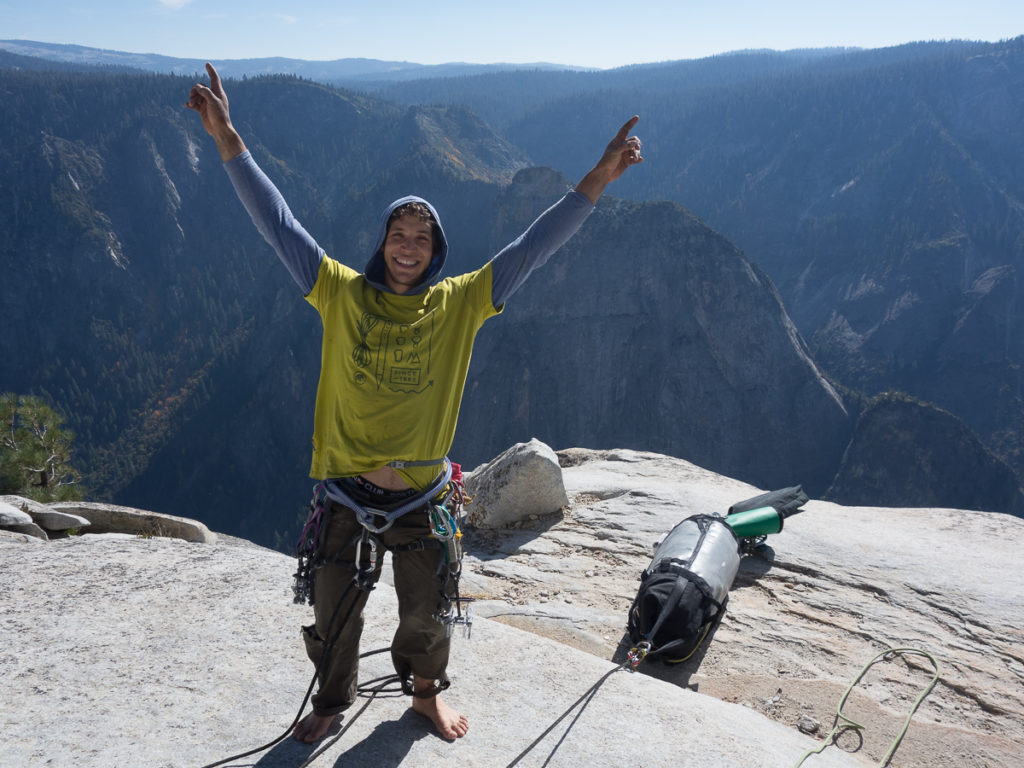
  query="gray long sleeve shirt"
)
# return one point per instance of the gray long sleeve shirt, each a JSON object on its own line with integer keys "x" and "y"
{"x": 301, "y": 254}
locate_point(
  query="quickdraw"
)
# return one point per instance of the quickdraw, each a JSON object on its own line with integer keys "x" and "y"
{"x": 308, "y": 549}
{"x": 445, "y": 526}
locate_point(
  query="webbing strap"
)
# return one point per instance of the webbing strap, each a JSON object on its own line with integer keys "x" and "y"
{"x": 401, "y": 464}
{"x": 367, "y": 515}
{"x": 680, "y": 569}
{"x": 667, "y": 607}
{"x": 684, "y": 576}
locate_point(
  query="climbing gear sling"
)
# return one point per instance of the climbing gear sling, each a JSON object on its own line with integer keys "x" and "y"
{"x": 844, "y": 723}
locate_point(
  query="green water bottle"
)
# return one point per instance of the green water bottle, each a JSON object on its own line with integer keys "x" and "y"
{"x": 755, "y": 522}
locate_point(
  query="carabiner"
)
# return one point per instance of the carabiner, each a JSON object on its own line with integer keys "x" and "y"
{"x": 637, "y": 654}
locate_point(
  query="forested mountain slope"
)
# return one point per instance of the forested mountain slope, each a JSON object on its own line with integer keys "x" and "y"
{"x": 138, "y": 299}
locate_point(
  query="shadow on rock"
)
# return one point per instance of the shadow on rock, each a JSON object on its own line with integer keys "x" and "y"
{"x": 286, "y": 754}
{"x": 389, "y": 743}
{"x": 678, "y": 673}
{"x": 753, "y": 566}
{"x": 498, "y": 543}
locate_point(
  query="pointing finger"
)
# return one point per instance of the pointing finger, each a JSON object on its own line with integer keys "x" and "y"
{"x": 215, "y": 84}
{"x": 626, "y": 128}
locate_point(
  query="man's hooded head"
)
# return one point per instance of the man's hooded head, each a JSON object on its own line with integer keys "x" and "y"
{"x": 411, "y": 247}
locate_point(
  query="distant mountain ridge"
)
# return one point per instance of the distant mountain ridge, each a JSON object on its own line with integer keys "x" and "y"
{"x": 333, "y": 71}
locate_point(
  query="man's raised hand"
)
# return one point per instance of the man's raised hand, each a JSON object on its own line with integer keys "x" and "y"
{"x": 211, "y": 102}
{"x": 622, "y": 152}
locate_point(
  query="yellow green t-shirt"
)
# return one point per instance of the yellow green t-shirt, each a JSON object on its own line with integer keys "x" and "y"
{"x": 393, "y": 368}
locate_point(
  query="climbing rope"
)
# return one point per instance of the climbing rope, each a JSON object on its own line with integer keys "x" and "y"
{"x": 584, "y": 700}
{"x": 371, "y": 689}
{"x": 844, "y": 723}
{"x": 309, "y": 689}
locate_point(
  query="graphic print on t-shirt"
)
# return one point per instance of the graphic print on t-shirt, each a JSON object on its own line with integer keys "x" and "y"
{"x": 396, "y": 355}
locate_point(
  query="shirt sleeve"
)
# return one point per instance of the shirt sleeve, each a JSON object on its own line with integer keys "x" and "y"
{"x": 296, "y": 248}
{"x": 534, "y": 247}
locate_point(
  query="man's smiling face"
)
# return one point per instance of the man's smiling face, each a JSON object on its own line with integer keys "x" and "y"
{"x": 408, "y": 249}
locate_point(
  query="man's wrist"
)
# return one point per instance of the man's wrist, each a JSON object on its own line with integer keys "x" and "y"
{"x": 230, "y": 145}
{"x": 592, "y": 185}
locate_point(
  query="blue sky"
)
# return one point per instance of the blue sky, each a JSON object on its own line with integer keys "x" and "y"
{"x": 575, "y": 32}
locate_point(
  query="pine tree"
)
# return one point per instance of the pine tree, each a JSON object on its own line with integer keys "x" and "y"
{"x": 35, "y": 451}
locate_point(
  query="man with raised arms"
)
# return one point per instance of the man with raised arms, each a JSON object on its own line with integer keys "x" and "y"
{"x": 396, "y": 347}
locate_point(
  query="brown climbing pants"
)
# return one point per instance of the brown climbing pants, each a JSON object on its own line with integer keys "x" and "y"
{"x": 420, "y": 645}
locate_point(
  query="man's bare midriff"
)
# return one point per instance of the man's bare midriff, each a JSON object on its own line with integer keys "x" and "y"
{"x": 387, "y": 478}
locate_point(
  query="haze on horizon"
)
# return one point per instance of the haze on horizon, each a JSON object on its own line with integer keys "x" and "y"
{"x": 576, "y": 33}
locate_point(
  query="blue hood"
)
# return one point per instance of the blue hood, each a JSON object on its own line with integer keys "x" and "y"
{"x": 375, "y": 271}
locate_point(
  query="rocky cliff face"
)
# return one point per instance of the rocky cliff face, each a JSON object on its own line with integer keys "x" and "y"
{"x": 907, "y": 453}
{"x": 649, "y": 328}
{"x": 838, "y": 585}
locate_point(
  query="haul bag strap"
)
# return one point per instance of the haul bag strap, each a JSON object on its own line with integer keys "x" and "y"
{"x": 666, "y": 609}
{"x": 684, "y": 574}
{"x": 683, "y": 577}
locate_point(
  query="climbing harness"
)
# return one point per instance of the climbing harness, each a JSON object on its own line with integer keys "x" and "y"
{"x": 443, "y": 505}
{"x": 368, "y": 516}
{"x": 844, "y": 723}
{"x": 443, "y": 501}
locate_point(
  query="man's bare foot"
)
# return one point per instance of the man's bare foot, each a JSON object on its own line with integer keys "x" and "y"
{"x": 448, "y": 722}
{"x": 312, "y": 727}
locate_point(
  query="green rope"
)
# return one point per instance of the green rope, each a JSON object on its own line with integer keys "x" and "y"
{"x": 843, "y": 723}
